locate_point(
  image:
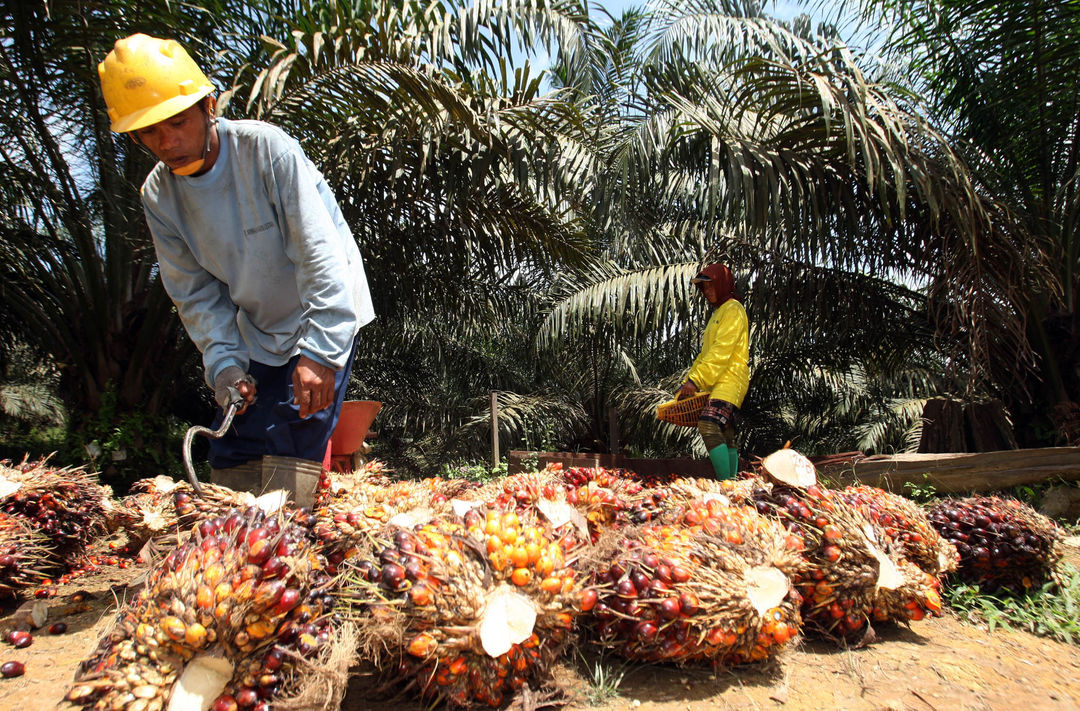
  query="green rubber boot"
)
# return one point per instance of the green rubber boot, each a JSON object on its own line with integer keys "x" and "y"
{"x": 734, "y": 454}
{"x": 721, "y": 461}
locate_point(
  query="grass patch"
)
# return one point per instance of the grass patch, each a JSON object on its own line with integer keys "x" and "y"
{"x": 1050, "y": 611}
{"x": 603, "y": 677}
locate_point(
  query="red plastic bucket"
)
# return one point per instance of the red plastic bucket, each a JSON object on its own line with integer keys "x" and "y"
{"x": 353, "y": 425}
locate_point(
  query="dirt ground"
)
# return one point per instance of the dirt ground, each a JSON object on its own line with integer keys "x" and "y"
{"x": 942, "y": 664}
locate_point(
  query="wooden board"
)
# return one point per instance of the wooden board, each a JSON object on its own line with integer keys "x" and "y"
{"x": 519, "y": 460}
{"x": 957, "y": 473}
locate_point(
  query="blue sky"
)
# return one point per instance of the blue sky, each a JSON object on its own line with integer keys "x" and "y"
{"x": 780, "y": 9}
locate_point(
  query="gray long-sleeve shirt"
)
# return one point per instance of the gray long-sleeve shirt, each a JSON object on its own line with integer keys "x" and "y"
{"x": 256, "y": 254}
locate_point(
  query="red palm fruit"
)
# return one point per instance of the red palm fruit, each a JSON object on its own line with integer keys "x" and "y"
{"x": 10, "y": 670}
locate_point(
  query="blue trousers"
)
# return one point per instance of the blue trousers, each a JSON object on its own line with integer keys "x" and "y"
{"x": 273, "y": 425}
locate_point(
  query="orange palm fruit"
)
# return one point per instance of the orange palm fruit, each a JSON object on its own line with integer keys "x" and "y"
{"x": 521, "y": 576}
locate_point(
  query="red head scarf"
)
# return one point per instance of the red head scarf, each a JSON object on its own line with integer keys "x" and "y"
{"x": 721, "y": 276}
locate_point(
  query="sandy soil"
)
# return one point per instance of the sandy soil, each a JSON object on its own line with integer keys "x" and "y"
{"x": 935, "y": 664}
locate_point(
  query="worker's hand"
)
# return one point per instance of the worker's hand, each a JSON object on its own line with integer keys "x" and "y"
{"x": 313, "y": 386}
{"x": 234, "y": 377}
{"x": 688, "y": 389}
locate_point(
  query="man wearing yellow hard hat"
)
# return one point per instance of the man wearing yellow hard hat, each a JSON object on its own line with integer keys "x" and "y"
{"x": 254, "y": 252}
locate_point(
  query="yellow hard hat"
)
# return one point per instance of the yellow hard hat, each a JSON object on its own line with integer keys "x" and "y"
{"x": 146, "y": 80}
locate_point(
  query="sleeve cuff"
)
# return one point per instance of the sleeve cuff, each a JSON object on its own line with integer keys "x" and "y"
{"x": 222, "y": 365}
{"x": 318, "y": 359}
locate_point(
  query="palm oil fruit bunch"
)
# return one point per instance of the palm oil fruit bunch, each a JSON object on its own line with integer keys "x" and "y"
{"x": 533, "y": 493}
{"x": 67, "y": 505}
{"x": 352, "y": 509}
{"x": 25, "y": 556}
{"x": 713, "y": 585}
{"x": 521, "y": 491}
{"x": 215, "y": 500}
{"x": 475, "y": 607}
{"x": 849, "y": 574}
{"x": 906, "y": 526}
{"x": 600, "y": 494}
{"x": 218, "y": 621}
{"x": 655, "y": 503}
{"x": 1003, "y": 543}
{"x": 147, "y": 513}
{"x": 372, "y": 473}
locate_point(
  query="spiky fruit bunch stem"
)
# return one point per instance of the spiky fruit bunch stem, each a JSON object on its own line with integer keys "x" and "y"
{"x": 26, "y": 558}
{"x": 242, "y": 594}
{"x": 1003, "y": 543}
{"x": 714, "y": 585}
{"x": 473, "y": 608}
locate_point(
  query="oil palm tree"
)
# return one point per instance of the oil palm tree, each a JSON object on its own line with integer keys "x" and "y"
{"x": 1001, "y": 77}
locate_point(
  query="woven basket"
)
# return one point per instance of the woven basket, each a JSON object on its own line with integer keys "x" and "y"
{"x": 682, "y": 412}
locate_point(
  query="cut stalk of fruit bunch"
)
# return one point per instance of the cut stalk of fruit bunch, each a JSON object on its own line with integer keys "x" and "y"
{"x": 790, "y": 468}
{"x": 714, "y": 585}
{"x": 26, "y": 556}
{"x": 67, "y": 505}
{"x": 906, "y": 527}
{"x": 1002, "y": 543}
{"x": 147, "y": 514}
{"x": 220, "y": 620}
{"x": 474, "y": 608}
{"x": 850, "y": 578}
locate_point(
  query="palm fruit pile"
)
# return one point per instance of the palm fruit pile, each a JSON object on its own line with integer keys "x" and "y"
{"x": 715, "y": 585}
{"x": 351, "y": 507}
{"x": 906, "y": 527}
{"x": 850, "y": 579}
{"x": 470, "y": 608}
{"x": 66, "y": 505}
{"x": 25, "y": 556}
{"x": 220, "y": 621}
{"x": 1003, "y": 543}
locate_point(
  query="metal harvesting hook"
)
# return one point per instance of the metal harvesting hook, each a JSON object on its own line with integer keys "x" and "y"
{"x": 236, "y": 401}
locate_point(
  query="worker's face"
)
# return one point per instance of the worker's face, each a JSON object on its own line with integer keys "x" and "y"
{"x": 179, "y": 139}
{"x": 710, "y": 290}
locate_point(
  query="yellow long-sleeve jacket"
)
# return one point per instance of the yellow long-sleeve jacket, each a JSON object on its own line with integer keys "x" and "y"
{"x": 722, "y": 368}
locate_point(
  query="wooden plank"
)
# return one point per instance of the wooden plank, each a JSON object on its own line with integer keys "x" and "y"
{"x": 960, "y": 472}
{"x": 518, "y": 460}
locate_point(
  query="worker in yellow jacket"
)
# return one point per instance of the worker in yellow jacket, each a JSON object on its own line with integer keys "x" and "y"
{"x": 721, "y": 369}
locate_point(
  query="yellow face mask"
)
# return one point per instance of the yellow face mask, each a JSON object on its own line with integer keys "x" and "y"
{"x": 189, "y": 169}
{"x": 196, "y": 165}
